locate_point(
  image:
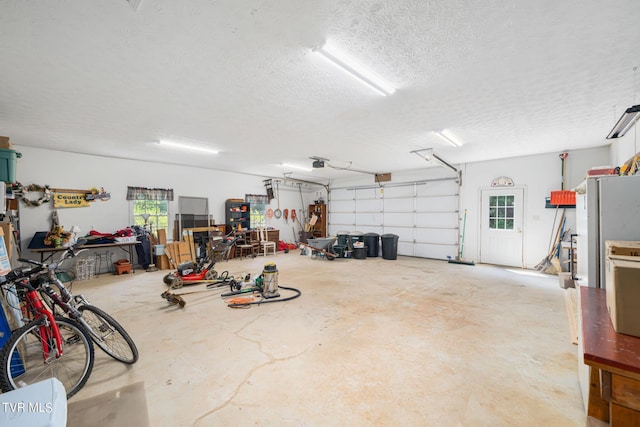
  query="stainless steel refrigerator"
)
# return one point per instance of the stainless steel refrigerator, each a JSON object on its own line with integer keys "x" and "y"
{"x": 610, "y": 210}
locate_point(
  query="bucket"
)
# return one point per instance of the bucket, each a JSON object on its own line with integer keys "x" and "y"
{"x": 360, "y": 252}
{"x": 158, "y": 249}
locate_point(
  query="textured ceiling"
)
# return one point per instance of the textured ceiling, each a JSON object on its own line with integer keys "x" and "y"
{"x": 506, "y": 77}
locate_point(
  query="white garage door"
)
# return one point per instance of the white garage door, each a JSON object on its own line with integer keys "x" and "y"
{"x": 424, "y": 215}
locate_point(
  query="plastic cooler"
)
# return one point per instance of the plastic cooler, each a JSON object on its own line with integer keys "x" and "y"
{"x": 8, "y": 164}
{"x": 42, "y": 404}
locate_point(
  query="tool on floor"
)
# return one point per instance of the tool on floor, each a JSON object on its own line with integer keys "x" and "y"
{"x": 201, "y": 271}
{"x": 266, "y": 285}
{"x": 329, "y": 255}
{"x": 459, "y": 259}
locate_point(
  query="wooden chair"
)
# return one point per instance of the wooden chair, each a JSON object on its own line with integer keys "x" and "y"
{"x": 244, "y": 246}
{"x": 265, "y": 244}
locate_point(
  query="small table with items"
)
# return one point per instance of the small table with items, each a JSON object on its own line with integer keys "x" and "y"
{"x": 46, "y": 252}
{"x": 614, "y": 393}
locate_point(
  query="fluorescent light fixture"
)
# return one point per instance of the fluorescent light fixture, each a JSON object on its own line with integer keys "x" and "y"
{"x": 354, "y": 69}
{"x": 289, "y": 165}
{"x": 626, "y": 122}
{"x": 187, "y": 147}
{"x": 447, "y": 137}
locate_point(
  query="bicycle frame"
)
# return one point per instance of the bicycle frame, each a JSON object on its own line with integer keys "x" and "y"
{"x": 36, "y": 309}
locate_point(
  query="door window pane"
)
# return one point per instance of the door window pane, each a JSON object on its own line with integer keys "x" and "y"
{"x": 501, "y": 212}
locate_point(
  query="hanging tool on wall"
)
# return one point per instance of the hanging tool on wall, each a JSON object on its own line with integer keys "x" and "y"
{"x": 277, "y": 213}
{"x": 563, "y": 157}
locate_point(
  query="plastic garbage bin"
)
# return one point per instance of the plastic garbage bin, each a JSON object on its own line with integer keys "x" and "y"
{"x": 372, "y": 242}
{"x": 360, "y": 253}
{"x": 355, "y": 236}
{"x": 389, "y": 246}
{"x": 343, "y": 237}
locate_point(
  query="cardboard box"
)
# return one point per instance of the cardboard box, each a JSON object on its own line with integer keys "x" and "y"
{"x": 6, "y": 230}
{"x": 622, "y": 247}
{"x": 623, "y": 293}
{"x": 162, "y": 262}
{"x": 5, "y": 256}
{"x": 5, "y": 143}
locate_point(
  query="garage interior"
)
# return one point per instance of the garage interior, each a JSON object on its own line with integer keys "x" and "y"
{"x": 453, "y": 155}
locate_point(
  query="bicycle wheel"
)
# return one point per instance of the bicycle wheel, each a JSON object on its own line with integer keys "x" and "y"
{"x": 109, "y": 335}
{"x": 25, "y": 362}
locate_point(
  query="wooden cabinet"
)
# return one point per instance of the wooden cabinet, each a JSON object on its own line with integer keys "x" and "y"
{"x": 614, "y": 388}
{"x": 237, "y": 216}
{"x": 319, "y": 229}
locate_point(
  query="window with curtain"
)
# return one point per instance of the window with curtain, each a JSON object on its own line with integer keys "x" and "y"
{"x": 258, "y": 204}
{"x": 152, "y": 204}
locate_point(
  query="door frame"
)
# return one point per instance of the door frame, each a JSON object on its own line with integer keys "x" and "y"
{"x": 480, "y": 215}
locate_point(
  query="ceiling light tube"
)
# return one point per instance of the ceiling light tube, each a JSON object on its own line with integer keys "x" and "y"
{"x": 302, "y": 168}
{"x": 626, "y": 122}
{"x": 448, "y": 139}
{"x": 187, "y": 147}
{"x": 354, "y": 69}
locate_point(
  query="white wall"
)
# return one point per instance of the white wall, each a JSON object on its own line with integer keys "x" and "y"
{"x": 78, "y": 171}
{"x": 538, "y": 175}
{"x": 624, "y": 148}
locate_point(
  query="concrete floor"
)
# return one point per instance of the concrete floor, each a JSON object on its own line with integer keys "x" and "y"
{"x": 410, "y": 342}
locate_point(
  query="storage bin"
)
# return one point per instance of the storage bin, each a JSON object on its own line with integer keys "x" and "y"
{"x": 122, "y": 266}
{"x": 8, "y": 164}
{"x": 563, "y": 197}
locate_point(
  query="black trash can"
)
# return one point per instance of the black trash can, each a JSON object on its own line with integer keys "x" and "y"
{"x": 360, "y": 253}
{"x": 389, "y": 246}
{"x": 371, "y": 241}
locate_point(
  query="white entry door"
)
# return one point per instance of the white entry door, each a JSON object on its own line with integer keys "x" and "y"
{"x": 501, "y": 227}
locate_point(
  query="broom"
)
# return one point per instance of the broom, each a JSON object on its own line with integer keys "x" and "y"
{"x": 459, "y": 259}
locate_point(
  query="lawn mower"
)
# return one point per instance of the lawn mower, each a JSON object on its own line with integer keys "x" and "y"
{"x": 201, "y": 271}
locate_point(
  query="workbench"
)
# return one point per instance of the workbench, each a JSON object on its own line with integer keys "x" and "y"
{"x": 614, "y": 390}
{"x": 127, "y": 247}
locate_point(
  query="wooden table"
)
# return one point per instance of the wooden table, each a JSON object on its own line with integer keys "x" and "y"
{"x": 614, "y": 392}
{"x": 126, "y": 247}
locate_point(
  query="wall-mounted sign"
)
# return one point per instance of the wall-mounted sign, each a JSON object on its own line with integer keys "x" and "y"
{"x": 502, "y": 181}
{"x": 95, "y": 195}
{"x": 69, "y": 200}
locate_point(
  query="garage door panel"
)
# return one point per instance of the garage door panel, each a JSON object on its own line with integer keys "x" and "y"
{"x": 368, "y": 219}
{"x": 397, "y": 219}
{"x": 424, "y": 215}
{"x": 435, "y": 251}
{"x": 341, "y": 220}
{"x": 343, "y": 206}
{"x": 370, "y": 229}
{"x": 404, "y": 191}
{"x": 435, "y": 188}
{"x": 403, "y": 233}
{"x": 367, "y": 193}
{"x": 444, "y": 220}
{"x": 398, "y": 205}
{"x": 405, "y": 248}
{"x": 369, "y": 205}
{"x": 437, "y": 204}
{"x": 436, "y": 235}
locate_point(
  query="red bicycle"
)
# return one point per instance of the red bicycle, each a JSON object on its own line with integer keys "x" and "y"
{"x": 47, "y": 346}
